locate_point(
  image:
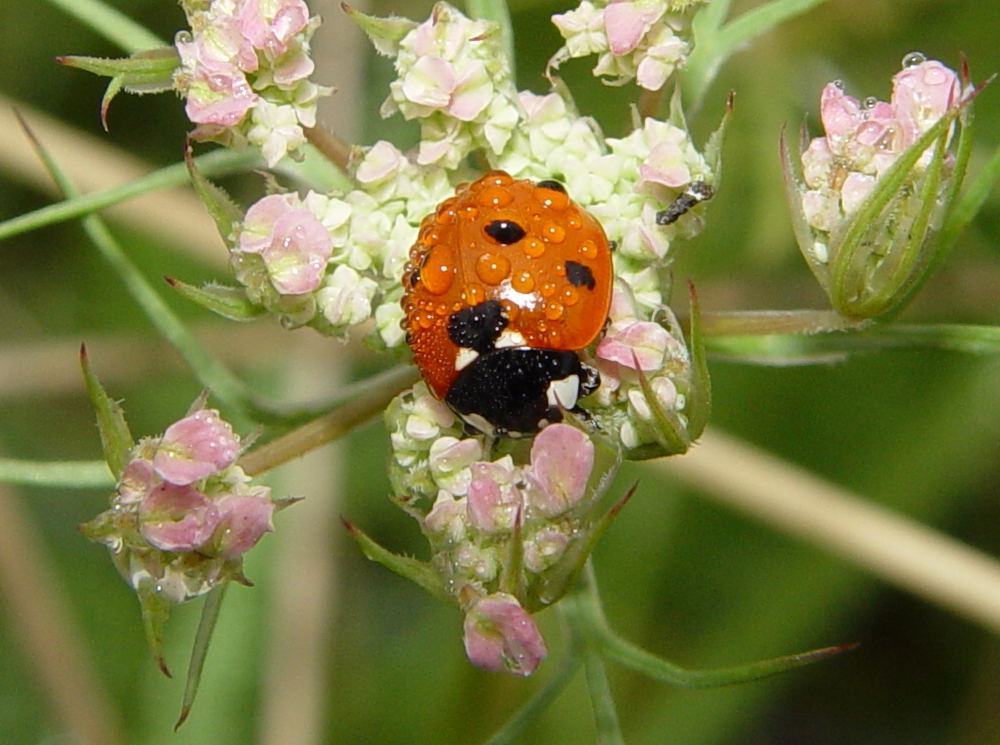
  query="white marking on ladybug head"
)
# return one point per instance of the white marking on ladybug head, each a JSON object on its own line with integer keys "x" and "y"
{"x": 509, "y": 338}
{"x": 563, "y": 393}
{"x": 465, "y": 357}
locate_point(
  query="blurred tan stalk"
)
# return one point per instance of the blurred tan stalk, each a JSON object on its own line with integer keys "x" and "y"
{"x": 50, "y": 647}
{"x": 901, "y": 551}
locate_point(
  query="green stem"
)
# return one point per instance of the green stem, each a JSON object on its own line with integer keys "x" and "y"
{"x": 111, "y": 24}
{"x": 209, "y": 371}
{"x": 763, "y": 322}
{"x": 377, "y": 393}
{"x": 215, "y": 163}
{"x": 84, "y": 474}
{"x": 584, "y": 615}
{"x": 609, "y": 731}
{"x": 804, "y": 348}
{"x": 522, "y": 719}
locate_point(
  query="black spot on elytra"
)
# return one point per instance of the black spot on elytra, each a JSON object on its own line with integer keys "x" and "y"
{"x": 551, "y": 184}
{"x": 478, "y": 326}
{"x": 505, "y": 231}
{"x": 580, "y": 275}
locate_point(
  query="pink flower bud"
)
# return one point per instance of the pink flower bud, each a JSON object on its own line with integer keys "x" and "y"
{"x": 639, "y": 345}
{"x": 626, "y": 22}
{"x": 292, "y": 241}
{"x": 243, "y": 520}
{"x": 177, "y": 518}
{"x": 270, "y": 25}
{"x": 492, "y": 508}
{"x": 561, "y": 460}
{"x": 501, "y": 636}
{"x": 840, "y": 113}
{"x": 196, "y": 447}
{"x": 921, "y": 94}
{"x": 221, "y": 98}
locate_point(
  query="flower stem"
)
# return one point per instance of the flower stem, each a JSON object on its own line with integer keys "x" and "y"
{"x": 85, "y": 474}
{"x": 212, "y": 373}
{"x": 332, "y": 147}
{"x": 760, "y": 322}
{"x": 585, "y": 617}
{"x": 375, "y": 397}
{"x": 215, "y": 163}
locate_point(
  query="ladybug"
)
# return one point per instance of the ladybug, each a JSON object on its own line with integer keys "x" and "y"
{"x": 507, "y": 282}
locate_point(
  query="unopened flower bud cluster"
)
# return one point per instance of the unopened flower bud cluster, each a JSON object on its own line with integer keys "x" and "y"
{"x": 486, "y": 518}
{"x": 184, "y": 513}
{"x": 864, "y": 138}
{"x": 245, "y": 70}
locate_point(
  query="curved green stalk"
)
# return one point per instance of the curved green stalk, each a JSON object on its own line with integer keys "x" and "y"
{"x": 522, "y": 719}
{"x": 215, "y": 163}
{"x": 110, "y": 23}
{"x": 78, "y": 474}
{"x": 209, "y": 371}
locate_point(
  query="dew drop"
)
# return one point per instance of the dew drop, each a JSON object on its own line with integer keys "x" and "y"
{"x": 523, "y": 282}
{"x": 492, "y": 268}
{"x": 869, "y": 103}
{"x": 821, "y": 252}
{"x": 913, "y": 59}
{"x": 838, "y": 84}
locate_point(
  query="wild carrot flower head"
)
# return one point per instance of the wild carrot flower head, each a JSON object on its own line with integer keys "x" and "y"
{"x": 184, "y": 513}
{"x": 245, "y": 70}
{"x": 511, "y": 521}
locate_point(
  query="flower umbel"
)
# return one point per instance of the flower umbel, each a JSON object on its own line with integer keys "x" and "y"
{"x": 184, "y": 513}
{"x": 515, "y": 521}
{"x": 875, "y": 190}
{"x": 245, "y": 70}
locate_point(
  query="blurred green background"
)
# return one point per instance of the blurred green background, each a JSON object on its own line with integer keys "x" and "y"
{"x": 917, "y": 431}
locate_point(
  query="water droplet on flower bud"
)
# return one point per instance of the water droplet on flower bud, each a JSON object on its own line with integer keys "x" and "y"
{"x": 838, "y": 84}
{"x": 913, "y": 59}
{"x": 183, "y": 37}
{"x": 869, "y": 103}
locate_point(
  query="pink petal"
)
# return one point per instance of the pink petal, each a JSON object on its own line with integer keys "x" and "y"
{"x": 632, "y": 343}
{"x": 243, "y": 520}
{"x": 177, "y": 518}
{"x": 561, "y": 460}
{"x": 501, "y": 636}
{"x": 624, "y": 24}
{"x": 195, "y": 447}
{"x": 841, "y": 114}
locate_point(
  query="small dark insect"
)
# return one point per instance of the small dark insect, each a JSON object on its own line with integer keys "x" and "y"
{"x": 696, "y": 191}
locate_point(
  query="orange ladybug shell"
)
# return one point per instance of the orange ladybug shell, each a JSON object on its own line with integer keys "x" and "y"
{"x": 553, "y": 282}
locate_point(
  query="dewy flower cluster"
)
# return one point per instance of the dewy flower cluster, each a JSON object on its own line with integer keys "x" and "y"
{"x": 335, "y": 261}
{"x": 874, "y": 190}
{"x": 504, "y": 537}
{"x": 864, "y": 138}
{"x": 508, "y": 530}
{"x": 641, "y": 40}
{"x": 184, "y": 513}
{"x": 244, "y": 72}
